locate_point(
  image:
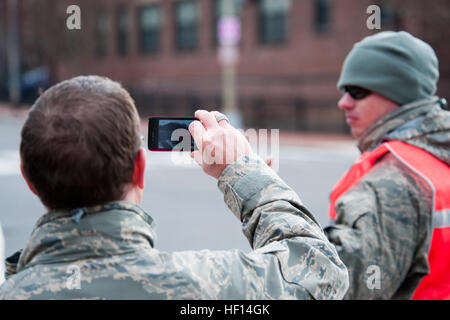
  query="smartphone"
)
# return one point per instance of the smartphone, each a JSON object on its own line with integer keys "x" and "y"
{"x": 170, "y": 134}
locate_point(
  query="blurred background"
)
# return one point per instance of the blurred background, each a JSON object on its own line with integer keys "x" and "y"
{"x": 266, "y": 63}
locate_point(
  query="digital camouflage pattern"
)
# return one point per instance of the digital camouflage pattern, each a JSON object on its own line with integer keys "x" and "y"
{"x": 112, "y": 248}
{"x": 385, "y": 219}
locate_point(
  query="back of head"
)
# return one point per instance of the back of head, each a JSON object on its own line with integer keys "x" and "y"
{"x": 396, "y": 65}
{"x": 80, "y": 141}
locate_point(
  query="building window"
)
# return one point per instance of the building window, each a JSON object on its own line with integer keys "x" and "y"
{"x": 273, "y": 26}
{"x": 149, "y": 28}
{"x": 217, "y": 13}
{"x": 123, "y": 31}
{"x": 389, "y": 17}
{"x": 186, "y": 25}
{"x": 72, "y": 44}
{"x": 322, "y": 21}
{"x": 101, "y": 34}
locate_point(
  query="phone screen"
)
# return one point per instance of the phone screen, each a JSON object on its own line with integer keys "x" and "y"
{"x": 170, "y": 134}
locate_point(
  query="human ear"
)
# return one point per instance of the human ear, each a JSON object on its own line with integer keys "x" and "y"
{"x": 139, "y": 168}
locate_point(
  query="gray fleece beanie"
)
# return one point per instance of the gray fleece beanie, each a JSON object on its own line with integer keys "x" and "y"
{"x": 396, "y": 65}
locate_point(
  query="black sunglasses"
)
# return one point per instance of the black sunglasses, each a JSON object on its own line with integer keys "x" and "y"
{"x": 357, "y": 93}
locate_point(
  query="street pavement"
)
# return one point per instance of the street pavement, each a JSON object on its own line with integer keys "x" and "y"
{"x": 185, "y": 203}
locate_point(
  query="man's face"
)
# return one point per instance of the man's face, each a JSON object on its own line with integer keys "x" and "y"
{"x": 361, "y": 113}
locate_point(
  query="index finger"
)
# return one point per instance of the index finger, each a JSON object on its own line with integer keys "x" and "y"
{"x": 207, "y": 119}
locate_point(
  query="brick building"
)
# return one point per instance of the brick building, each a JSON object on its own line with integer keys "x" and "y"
{"x": 291, "y": 52}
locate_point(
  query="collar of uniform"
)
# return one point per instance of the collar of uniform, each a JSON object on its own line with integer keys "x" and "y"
{"x": 375, "y": 134}
{"x": 115, "y": 205}
{"x": 104, "y": 230}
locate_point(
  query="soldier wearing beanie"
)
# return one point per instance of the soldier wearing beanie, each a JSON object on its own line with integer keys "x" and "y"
{"x": 391, "y": 210}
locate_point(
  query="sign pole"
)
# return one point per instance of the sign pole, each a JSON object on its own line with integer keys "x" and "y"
{"x": 229, "y": 34}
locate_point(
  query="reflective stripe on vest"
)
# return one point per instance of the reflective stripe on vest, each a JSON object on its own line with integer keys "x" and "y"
{"x": 436, "y": 285}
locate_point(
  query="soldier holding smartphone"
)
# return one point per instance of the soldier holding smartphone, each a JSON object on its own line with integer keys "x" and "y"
{"x": 81, "y": 155}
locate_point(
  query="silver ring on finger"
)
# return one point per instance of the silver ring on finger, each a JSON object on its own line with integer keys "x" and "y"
{"x": 222, "y": 117}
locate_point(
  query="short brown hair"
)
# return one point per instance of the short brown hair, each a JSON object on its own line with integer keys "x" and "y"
{"x": 80, "y": 141}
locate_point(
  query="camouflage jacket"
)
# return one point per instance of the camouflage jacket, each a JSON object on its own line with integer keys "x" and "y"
{"x": 107, "y": 251}
{"x": 384, "y": 221}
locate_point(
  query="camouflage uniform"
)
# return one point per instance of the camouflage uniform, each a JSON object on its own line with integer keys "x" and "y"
{"x": 110, "y": 248}
{"x": 385, "y": 219}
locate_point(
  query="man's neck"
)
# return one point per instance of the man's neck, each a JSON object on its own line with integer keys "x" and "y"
{"x": 134, "y": 194}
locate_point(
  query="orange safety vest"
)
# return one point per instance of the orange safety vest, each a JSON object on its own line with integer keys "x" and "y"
{"x": 436, "y": 285}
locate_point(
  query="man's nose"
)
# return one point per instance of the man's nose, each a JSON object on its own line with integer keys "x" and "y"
{"x": 346, "y": 102}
